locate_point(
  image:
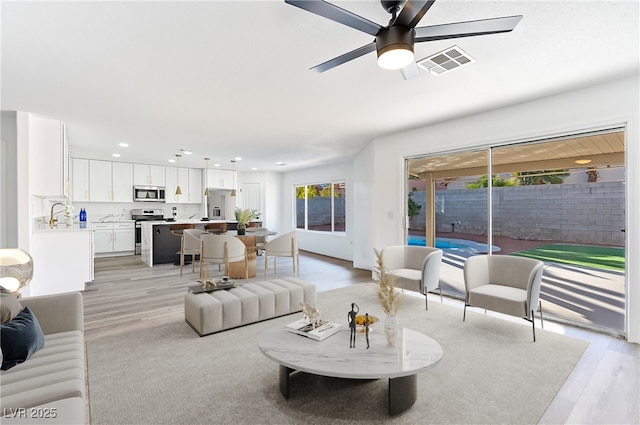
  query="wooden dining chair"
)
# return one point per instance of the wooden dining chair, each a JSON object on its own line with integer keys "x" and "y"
{"x": 221, "y": 249}
{"x": 282, "y": 246}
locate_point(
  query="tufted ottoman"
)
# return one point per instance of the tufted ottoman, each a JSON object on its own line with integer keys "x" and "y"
{"x": 211, "y": 312}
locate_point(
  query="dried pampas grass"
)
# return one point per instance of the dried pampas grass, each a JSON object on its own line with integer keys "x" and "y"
{"x": 387, "y": 294}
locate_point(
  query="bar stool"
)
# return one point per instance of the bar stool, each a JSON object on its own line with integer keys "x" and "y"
{"x": 178, "y": 229}
{"x": 216, "y": 228}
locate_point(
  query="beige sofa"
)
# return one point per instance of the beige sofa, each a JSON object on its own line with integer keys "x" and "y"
{"x": 49, "y": 387}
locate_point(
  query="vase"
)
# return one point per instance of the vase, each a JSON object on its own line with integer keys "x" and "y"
{"x": 68, "y": 221}
{"x": 241, "y": 231}
{"x": 391, "y": 329}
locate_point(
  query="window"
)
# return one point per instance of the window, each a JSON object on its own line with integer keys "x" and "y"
{"x": 320, "y": 207}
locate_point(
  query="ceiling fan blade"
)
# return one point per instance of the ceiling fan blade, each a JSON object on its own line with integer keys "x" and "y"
{"x": 337, "y": 14}
{"x": 412, "y": 12}
{"x": 325, "y": 66}
{"x": 410, "y": 71}
{"x": 467, "y": 29}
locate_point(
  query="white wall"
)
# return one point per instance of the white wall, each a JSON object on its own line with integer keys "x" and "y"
{"x": 597, "y": 107}
{"x": 8, "y": 173}
{"x": 333, "y": 245}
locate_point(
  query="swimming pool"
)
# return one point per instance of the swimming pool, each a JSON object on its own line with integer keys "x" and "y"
{"x": 452, "y": 244}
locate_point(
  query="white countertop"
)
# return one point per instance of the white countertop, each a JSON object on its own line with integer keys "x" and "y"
{"x": 185, "y": 221}
{"x": 61, "y": 228}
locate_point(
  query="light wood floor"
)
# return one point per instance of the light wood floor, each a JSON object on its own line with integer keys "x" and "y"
{"x": 128, "y": 295}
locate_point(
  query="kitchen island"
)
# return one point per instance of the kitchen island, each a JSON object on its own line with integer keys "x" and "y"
{"x": 160, "y": 246}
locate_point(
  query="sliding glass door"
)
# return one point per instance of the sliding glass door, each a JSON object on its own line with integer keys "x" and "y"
{"x": 561, "y": 200}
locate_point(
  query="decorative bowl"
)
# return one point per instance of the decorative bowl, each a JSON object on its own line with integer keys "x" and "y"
{"x": 360, "y": 318}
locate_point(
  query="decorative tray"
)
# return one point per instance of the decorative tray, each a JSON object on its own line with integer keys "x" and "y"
{"x": 211, "y": 285}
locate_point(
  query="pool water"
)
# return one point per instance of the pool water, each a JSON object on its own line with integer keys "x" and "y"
{"x": 453, "y": 244}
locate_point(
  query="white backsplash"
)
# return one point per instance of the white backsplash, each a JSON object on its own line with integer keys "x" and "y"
{"x": 107, "y": 211}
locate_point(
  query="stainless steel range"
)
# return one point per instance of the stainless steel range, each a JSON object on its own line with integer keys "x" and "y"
{"x": 140, "y": 215}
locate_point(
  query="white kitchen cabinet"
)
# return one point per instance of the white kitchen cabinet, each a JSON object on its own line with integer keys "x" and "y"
{"x": 110, "y": 181}
{"x": 48, "y": 158}
{"x": 114, "y": 237}
{"x": 100, "y": 181}
{"x": 124, "y": 237}
{"x": 196, "y": 192}
{"x": 121, "y": 182}
{"x": 63, "y": 259}
{"x": 175, "y": 175}
{"x": 79, "y": 180}
{"x": 220, "y": 179}
{"x": 145, "y": 174}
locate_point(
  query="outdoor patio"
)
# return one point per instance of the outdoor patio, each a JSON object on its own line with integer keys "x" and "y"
{"x": 588, "y": 296}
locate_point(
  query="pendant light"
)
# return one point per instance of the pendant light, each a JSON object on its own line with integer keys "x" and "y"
{"x": 178, "y": 190}
{"x": 233, "y": 191}
{"x": 206, "y": 177}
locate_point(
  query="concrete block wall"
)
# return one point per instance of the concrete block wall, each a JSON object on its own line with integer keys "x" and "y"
{"x": 580, "y": 213}
{"x": 319, "y": 210}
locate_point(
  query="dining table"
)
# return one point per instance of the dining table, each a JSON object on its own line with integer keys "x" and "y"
{"x": 253, "y": 240}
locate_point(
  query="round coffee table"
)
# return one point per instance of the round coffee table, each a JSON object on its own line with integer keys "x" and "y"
{"x": 413, "y": 353}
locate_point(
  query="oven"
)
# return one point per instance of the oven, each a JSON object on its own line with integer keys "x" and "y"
{"x": 140, "y": 215}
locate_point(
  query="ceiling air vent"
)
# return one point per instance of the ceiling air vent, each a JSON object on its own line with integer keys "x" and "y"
{"x": 447, "y": 60}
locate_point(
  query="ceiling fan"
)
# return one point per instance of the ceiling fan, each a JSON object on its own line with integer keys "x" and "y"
{"x": 394, "y": 43}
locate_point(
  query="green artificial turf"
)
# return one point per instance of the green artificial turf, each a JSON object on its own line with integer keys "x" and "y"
{"x": 597, "y": 257}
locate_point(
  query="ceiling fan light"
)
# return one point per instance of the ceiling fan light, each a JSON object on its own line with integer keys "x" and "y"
{"x": 395, "y": 47}
{"x": 395, "y": 58}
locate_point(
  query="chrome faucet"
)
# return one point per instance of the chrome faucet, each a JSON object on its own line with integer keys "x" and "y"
{"x": 52, "y": 220}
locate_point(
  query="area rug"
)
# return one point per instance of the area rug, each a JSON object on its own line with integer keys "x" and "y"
{"x": 491, "y": 373}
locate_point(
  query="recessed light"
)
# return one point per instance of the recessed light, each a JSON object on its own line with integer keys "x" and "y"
{"x": 280, "y": 163}
{"x": 582, "y": 161}
{"x": 123, "y": 145}
{"x": 253, "y": 169}
{"x": 172, "y": 160}
{"x": 216, "y": 165}
{"x": 115, "y": 155}
{"x": 238, "y": 158}
{"x": 186, "y": 152}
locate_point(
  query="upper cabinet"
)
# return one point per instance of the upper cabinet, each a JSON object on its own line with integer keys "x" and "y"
{"x": 101, "y": 181}
{"x": 121, "y": 182}
{"x": 177, "y": 177}
{"x": 48, "y": 158}
{"x": 196, "y": 192}
{"x": 144, "y": 174}
{"x": 79, "y": 180}
{"x": 220, "y": 179}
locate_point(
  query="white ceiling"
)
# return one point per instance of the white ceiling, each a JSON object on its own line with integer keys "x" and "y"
{"x": 231, "y": 78}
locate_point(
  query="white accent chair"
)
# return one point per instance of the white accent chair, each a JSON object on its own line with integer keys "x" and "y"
{"x": 283, "y": 246}
{"x": 416, "y": 268}
{"x": 504, "y": 283}
{"x": 221, "y": 249}
{"x": 190, "y": 245}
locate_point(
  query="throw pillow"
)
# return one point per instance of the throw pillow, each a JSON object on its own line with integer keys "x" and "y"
{"x": 20, "y": 338}
{"x": 10, "y": 307}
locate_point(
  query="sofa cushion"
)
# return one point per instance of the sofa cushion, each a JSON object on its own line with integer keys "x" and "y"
{"x": 10, "y": 307}
{"x": 20, "y": 338}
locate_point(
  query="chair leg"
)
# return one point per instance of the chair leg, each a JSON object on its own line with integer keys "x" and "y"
{"x": 275, "y": 265}
{"x": 298, "y": 263}
{"x": 464, "y": 312}
{"x": 266, "y": 265}
{"x": 440, "y": 287}
{"x": 193, "y": 263}
{"x": 426, "y": 301}
{"x": 533, "y": 325}
{"x": 181, "y": 262}
{"x": 540, "y": 308}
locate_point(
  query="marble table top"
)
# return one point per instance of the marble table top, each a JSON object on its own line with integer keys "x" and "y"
{"x": 413, "y": 353}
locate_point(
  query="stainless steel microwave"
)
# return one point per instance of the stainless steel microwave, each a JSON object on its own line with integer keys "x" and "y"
{"x": 148, "y": 194}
